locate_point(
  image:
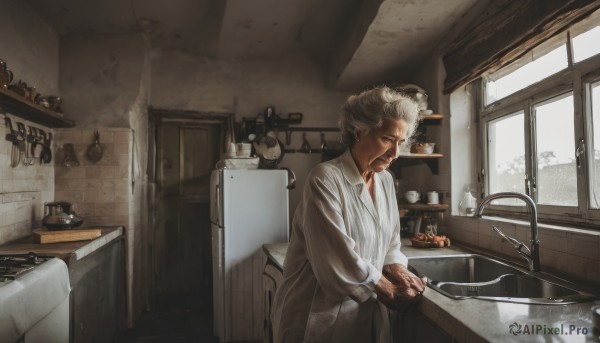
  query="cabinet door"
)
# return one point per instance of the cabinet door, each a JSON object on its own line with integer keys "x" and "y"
{"x": 415, "y": 327}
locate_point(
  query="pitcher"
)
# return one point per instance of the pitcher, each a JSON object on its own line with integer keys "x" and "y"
{"x": 6, "y": 76}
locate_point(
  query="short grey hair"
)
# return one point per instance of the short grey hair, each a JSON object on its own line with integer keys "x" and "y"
{"x": 368, "y": 110}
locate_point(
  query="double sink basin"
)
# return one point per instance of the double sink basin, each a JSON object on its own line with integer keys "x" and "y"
{"x": 476, "y": 276}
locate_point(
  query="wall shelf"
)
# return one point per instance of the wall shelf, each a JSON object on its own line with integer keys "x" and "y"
{"x": 423, "y": 207}
{"x": 20, "y": 107}
{"x": 420, "y": 156}
{"x": 410, "y": 159}
{"x": 431, "y": 116}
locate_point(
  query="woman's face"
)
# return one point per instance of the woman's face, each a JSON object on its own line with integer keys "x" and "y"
{"x": 376, "y": 150}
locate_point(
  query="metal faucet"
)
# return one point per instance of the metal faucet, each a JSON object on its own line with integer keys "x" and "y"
{"x": 532, "y": 256}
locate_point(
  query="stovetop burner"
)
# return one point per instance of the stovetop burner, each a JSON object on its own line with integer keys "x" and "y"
{"x": 13, "y": 266}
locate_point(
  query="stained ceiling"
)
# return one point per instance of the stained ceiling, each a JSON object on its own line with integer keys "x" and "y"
{"x": 353, "y": 42}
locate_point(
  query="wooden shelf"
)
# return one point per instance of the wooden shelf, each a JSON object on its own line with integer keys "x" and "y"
{"x": 410, "y": 159}
{"x": 423, "y": 207}
{"x": 412, "y": 155}
{"x": 20, "y": 107}
{"x": 431, "y": 116}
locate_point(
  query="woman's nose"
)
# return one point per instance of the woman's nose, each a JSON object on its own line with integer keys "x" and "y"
{"x": 395, "y": 150}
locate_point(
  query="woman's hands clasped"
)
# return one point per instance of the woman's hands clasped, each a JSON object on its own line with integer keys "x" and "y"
{"x": 398, "y": 288}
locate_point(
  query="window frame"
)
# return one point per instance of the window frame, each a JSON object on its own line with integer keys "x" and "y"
{"x": 576, "y": 78}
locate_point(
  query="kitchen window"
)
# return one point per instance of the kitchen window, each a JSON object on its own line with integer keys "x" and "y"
{"x": 540, "y": 126}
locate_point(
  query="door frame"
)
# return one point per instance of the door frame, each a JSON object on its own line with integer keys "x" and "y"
{"x": 155, "y": 118}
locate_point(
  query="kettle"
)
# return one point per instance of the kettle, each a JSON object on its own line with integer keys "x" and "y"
{"x": 59, "y": 216}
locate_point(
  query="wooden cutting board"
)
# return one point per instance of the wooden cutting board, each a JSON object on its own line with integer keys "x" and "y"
{"x": 44, "y": 236}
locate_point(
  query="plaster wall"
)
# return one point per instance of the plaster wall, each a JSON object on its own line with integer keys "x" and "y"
{"x": 29, "y": 46}
{"x": 106, "y": 81}
{"x": 31, "y": 50}
{"x": 246, "y": 87}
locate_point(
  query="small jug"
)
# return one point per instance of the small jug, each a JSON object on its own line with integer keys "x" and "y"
{"x": 6, "y": 76}
{"x": 467, "y": 205}
{"x": 433, "y": 198}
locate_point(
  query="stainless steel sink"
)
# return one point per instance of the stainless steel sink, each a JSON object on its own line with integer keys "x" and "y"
{"x": 477, "y": 276}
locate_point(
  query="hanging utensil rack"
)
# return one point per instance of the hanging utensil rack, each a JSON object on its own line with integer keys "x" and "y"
{"x": 25, "y": 139}
{"x": 288, "y": 131}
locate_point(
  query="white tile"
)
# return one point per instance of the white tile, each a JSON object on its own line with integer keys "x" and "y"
{"x": 587, "y": 246}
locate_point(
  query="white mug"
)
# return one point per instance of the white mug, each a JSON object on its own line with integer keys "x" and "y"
{"x": 412, "y": 196}
{"x": 433, "y": 198}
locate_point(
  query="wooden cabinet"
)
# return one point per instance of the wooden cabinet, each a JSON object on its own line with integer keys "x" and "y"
{"x": 415, "y": 327}
{"x": 97, "y": 277}
{"x": 272, "y": 278}
{"x": 98, "y": 294}
{"x": 22, "y": 108}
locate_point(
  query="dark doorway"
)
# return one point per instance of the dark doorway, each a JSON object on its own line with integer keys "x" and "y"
{"x": 186, "y": 154}
{"x": 186, "y": 148}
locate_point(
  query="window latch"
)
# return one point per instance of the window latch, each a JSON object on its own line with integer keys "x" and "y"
{"x": 579, "y": 152}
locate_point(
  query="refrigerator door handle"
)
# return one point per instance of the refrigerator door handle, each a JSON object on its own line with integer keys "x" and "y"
{"x": 291, "y": 178}
{"x": 217, "y": 205}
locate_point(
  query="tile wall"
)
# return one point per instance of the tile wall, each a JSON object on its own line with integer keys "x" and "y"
{"x": 572, "y": 253}
{"x": 23, "y": 188}
{"x": 99, "y": 191}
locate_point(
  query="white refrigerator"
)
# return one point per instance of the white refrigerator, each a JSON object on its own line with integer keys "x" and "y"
{"x": 249, "y": 208}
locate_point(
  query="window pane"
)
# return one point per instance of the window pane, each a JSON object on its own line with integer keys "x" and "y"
{"x": 506, "y": 157}
{"x": 595, "y": 166}
{"x": 586, "y": 44}
{"x": 533, "y": 71}
{"x": 586, "y": 35}
{"x": 557, "y": 173}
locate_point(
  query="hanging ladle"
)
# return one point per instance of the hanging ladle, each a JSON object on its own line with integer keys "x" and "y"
{"x": 305, "y": 147}
{"x": 95, "y": 151}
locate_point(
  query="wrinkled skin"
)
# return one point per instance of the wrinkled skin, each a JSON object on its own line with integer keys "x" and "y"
{"x": 399, "y": 289}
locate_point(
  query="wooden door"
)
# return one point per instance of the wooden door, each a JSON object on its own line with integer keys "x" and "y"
{"x": 182, "y": 263}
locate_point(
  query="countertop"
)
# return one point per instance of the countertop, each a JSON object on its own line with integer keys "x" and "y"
{"x": 476, "y": 320}
{"x": 68, "y": 251}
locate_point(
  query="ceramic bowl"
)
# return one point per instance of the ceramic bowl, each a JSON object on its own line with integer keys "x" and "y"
{"x": 423, "y": 148}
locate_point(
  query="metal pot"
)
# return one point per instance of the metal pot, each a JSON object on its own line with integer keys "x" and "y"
{"x": 270, "y": 150}
{"x": 417, "y": 93}
{"x": 59, "y": 216}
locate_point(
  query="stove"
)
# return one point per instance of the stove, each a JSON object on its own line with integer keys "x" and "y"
{"x": 15, "y": 266}
{"x": 34, "y": 299}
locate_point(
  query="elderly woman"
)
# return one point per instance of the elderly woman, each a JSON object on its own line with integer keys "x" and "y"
{"x": 344, "y": 266}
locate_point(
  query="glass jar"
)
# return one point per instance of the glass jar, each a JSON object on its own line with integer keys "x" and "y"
{"x": 468, "y": 204}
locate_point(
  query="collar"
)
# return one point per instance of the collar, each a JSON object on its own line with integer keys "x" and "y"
{"x": 350, "y": 169}
{"x": 353, "y": 177}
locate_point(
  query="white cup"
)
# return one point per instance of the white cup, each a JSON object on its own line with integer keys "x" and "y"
{"x": 411, "y": 196}
{"x": 433, "y": 198}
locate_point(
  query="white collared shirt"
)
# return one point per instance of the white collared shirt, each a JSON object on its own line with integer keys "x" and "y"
{"x": 341, "y": 239}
